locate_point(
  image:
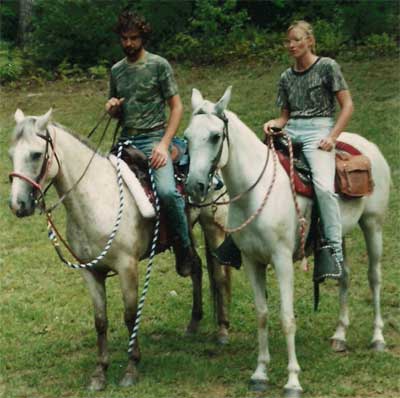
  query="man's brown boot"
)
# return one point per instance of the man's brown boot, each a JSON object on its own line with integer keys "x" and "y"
{"x": 186, "y": 259}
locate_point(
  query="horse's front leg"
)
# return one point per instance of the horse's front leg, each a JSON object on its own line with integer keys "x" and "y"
{"x": 219, "y": 275}
{"x": 282, "y": 260}
{"x": 256, "y": 274}
{"x": 128, "y": 276}
{"x": 220, "y": 285}
{"x": 96, "y": 284}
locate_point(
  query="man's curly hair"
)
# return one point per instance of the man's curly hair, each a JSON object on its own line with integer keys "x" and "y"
{"x": 128, "y": 21}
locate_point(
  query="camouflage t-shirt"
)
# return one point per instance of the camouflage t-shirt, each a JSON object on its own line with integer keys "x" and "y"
{"x": 311, "y": 93}
{"x": 146, "y": 85}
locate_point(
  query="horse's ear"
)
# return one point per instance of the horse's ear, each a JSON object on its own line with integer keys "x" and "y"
{"x": 222, "y": 104}
{"x": 197, "y": 98}
{"x": 42, "y": 121}
{"x": 19, "y": 115}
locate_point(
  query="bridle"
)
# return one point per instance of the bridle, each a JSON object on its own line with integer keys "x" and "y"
{"x": 37, "y": 182}
{"x": 214, "y": 165}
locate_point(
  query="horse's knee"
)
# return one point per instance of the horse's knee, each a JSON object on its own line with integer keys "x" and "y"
{"x": 288, "y": 324}
{"x": 262, "y": 319}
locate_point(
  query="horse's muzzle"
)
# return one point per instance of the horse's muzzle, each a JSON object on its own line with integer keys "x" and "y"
{"x": 197, "y": 190}
{"x": 21, "y": 207}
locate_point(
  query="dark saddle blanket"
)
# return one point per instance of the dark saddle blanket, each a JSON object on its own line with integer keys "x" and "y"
{"x": 353, "y": 169}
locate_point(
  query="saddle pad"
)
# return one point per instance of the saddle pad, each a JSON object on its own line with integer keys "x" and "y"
{"x": 136, "y": 189}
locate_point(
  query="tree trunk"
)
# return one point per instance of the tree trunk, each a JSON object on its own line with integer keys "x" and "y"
{"x": 24, "y": 20}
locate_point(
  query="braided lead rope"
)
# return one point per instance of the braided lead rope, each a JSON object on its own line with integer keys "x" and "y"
{"x": 258, "y": 211}
{"x": 133, "y": 336}
{"x": 302, "y": 220}
{"x": 53, "y": 233}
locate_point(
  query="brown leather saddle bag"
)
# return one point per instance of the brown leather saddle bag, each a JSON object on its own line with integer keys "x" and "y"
{"x": 353, "y": 175}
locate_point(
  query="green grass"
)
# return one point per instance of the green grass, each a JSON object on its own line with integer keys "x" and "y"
{"x": 47, "y": 339}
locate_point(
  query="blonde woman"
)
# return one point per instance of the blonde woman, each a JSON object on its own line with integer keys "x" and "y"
{"x": 307, "y": 95}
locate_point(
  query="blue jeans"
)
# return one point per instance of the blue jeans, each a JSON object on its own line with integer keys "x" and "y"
{"x": 171, "y": 200}
{"x": 309, "y": 132}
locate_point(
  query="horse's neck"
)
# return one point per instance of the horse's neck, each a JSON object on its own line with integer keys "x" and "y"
{"x": 247, "y": 155}
{"x": 74, "y": 158}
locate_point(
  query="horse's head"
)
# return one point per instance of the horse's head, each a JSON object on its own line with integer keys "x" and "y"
{"x": 207, "y": 136}
{"x": 31, "y": 152}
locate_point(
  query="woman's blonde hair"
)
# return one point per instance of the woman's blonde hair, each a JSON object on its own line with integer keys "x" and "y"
{"x": 307, "y": 29}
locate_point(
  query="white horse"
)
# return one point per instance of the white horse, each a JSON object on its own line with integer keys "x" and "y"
{"x": 272, "y": 237}
{"x": 91, "y": 209}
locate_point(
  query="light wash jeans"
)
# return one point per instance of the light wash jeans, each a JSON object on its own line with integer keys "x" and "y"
{"x": 309, "y": 132}
{"x": 171, "y": 200}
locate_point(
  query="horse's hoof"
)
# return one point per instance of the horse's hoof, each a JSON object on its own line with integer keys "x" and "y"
{"x": 338, "y": 345}
{"x": 128, "y": 380}
{"x": 97, "y": 384}
{"x": 292, "y": 392}
{"x": 258, "y": 385}
{"x": 378, "y": 346}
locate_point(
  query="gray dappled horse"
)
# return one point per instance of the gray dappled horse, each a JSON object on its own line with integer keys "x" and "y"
{"x": 91, "y": 209}
{"x": 218, "y": 138}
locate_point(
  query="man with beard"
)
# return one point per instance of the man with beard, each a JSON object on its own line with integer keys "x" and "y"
{"x": 141, "y": 85}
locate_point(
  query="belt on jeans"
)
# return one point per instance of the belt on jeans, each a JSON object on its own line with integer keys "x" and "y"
{"x": 132, "y": 131}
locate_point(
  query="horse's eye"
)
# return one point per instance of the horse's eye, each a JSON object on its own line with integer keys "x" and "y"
{"x": 214, "y": 137}
{"x": 36, "y": 155}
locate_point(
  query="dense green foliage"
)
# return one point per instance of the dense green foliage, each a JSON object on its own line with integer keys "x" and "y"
{"x": 75, "y": 35}
{"x": 47, "y": 337}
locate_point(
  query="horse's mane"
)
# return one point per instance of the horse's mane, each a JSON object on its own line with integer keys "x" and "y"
{"x": 81, "y": 139}
{"x": 26, "y": 128}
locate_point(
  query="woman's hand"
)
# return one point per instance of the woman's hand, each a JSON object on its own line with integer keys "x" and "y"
{"x": 270, "y": 125}
{"x": 327, "y": 144}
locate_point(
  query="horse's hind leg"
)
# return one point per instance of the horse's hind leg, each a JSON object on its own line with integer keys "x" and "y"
{"x": 128, "y": 276}
{"x": 338, "y": 340}
{"x": 372, "y": 230}
{"x": 96, "y": 284}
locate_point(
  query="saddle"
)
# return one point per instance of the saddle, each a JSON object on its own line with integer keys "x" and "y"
{"x": 353, "y": 169}
{"x": 138, "y": 163}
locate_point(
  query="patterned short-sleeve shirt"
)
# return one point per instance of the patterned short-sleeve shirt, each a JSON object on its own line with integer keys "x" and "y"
{"x": 311, "y": 93}
{"x": 146, "y": 85}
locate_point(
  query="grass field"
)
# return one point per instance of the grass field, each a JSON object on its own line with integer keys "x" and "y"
{"x": 47, "y": 338}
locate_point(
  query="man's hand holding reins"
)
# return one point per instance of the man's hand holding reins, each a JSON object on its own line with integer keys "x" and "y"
{"x": 113, "y": 106}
